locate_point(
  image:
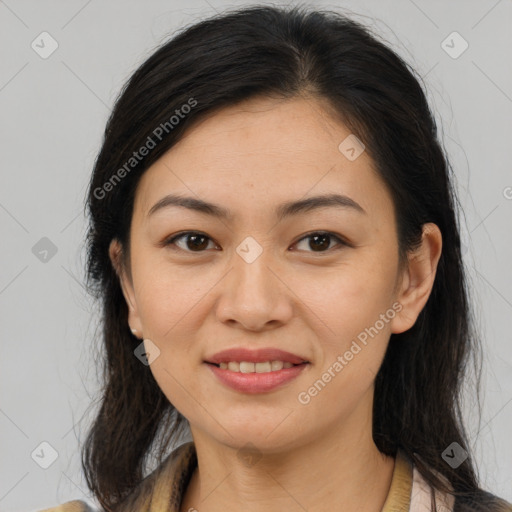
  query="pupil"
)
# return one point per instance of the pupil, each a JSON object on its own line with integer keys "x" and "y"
{"x": 323, "y": 237}
{"x": 194, "y": 243}
{"x": 317, "y": 242}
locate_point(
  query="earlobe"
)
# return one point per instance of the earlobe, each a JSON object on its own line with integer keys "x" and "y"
{"x": 418, "y": 281}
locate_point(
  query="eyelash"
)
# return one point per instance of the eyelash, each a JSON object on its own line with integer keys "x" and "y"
{"x": 341, "y": 242}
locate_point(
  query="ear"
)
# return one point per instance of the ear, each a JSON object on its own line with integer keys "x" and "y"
{"x": 115, "y": 253}
{"x": 417, "y": 279}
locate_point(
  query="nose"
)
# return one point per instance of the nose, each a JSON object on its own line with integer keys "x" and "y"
{"x": 254, "y": 295}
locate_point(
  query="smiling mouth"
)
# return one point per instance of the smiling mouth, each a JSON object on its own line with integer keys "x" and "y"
{"x": 260, "y": 367}
{"x": 257, "y": 377}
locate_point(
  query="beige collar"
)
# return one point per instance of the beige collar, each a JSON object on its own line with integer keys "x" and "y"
{"x": 182, "y": 462}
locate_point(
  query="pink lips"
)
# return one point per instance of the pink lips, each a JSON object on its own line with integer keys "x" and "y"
{"x": 256, "y": 382}
{"x": 254, "y": 356}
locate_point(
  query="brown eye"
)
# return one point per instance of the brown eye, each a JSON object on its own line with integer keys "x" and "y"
{"x": 194, "y": 241}
{"x": 320, "y": 241}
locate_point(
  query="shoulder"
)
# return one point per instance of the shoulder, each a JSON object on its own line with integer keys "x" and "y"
{"x": 426, "y": 497}
{"x": 481, "y": 501}
{"x": 71, "y": 506}
{"x": 164, "y": 486}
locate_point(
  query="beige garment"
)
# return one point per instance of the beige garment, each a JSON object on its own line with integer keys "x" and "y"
{"x": 163, "y": 490}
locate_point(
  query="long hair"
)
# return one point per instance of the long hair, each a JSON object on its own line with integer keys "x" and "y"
{"x": 284, "y": 52}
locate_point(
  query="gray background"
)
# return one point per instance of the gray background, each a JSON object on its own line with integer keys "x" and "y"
{"x": 53, "y": 115}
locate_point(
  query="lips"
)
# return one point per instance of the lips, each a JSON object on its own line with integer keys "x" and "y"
{"x": 255, "y": 356}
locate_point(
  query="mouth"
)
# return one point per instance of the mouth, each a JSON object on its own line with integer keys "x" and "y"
{"x": 258, "y": 367}
{"x": 243, "y": 379}
{"x": 256, "y": 371}
{"x": 255, "y": 360}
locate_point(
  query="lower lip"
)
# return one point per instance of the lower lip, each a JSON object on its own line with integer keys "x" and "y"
{"x": 257, "y": 382}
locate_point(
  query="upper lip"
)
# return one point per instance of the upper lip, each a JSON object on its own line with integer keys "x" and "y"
{"x": 254, "y": 356}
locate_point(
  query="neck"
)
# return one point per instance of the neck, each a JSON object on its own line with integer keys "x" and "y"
{"x": 340, "y": 467}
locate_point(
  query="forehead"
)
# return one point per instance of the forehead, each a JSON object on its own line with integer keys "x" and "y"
{"x": 263, "y": 151}
{"x": 276, "y": 129}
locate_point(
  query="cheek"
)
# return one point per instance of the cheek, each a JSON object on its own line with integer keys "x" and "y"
{"x": 169, "y": 299}
{"x": 355, "y": 311}
{"x": 170, "y": 311}
{"x": 346, "y": 299}
{"x": 171, "y": 304}
{"x": 352, "y": 308}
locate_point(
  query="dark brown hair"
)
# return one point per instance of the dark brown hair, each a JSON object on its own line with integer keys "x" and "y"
{"x": 285, "y": 52}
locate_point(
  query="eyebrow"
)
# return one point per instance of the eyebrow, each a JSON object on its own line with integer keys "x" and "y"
{"x": 284, "y": 210}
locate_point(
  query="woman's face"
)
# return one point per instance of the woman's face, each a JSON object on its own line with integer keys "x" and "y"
{"x": 257, "y": 278}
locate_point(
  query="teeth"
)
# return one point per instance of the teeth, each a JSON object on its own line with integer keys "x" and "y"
{"x": 263, "y": 367}
{"x": 247, "y": 367}
{"x": 234, "y": 367}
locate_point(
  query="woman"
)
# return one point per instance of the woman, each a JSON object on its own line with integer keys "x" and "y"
{"x": 274, "y": 240}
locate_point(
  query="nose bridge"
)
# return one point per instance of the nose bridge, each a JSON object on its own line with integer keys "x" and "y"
{"x": 253, "y": 295}
{"x": 251, "y": 272}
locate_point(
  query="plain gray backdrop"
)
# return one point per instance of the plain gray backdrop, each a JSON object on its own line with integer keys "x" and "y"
{"x": 54, "y": 109}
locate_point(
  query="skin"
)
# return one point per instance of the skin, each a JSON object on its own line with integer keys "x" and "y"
{"x": 314, "y": 303}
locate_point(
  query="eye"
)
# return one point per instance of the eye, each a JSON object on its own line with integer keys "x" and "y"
{"x": 195, "y": 241}
{"x": 320, "y": 241}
